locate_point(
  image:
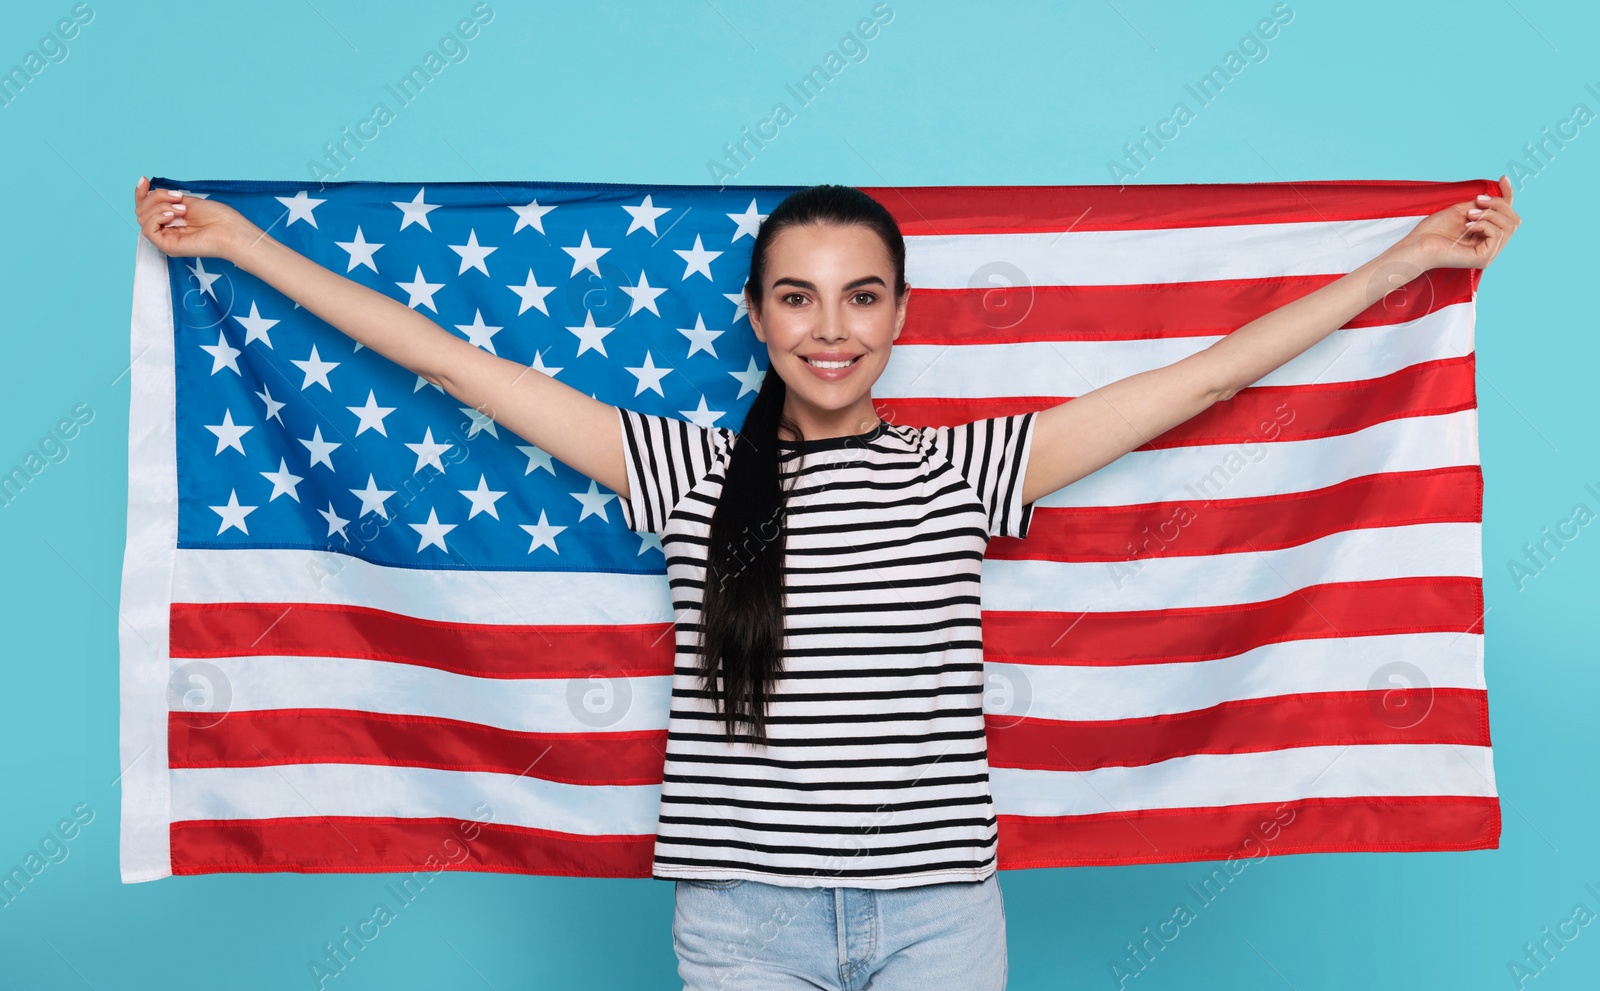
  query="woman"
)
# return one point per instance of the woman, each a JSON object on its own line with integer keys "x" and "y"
{"x": 825, "y": 806}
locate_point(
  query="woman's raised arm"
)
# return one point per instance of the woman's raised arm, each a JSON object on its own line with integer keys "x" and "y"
{"x": 577, "y": 429}
{"x": 1082, "y": 435}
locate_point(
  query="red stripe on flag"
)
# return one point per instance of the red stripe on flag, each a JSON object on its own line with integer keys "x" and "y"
{"x": 1240, "y": 832}
{"x": 1193, "y": 527}
{"x": 1280, "y": 413}
{"x": 954, "y": 210}
{"x": 342, "y": 736}
{"x": 323, "y": 844}
{"x": 1258, "y": 414}
{"x": 1341, "y": 609}
{"x": 316, "y": 736}
{"x": 1312, "y": 719}
{"x": 1401, "y": 605}
{"x": 1002, "y": 314}
{"x": 299, "y": 629}
{"x": 1322, "y": 825}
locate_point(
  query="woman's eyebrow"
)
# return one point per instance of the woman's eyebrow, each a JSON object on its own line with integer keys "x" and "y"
{"x": 865, "y": 280}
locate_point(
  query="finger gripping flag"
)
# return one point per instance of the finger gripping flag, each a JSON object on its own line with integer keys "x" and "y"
{"x": 368, "y": 628}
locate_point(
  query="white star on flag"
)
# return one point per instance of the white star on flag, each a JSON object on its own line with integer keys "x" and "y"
{"x": 594, "y": 502}
{"x": 700, "y": 339}
{"x": 283, "y": 483}
{"x": 316, "y": 370}
{"x": 256, "y": 326}
{"x": 372, "y": 498}
{"x": 591, "y": 337}
{"x": 536, "y": 459}
{"x": 472, "y": 254}
{"x": 585, "y": 256}
{"x": 371, "y": 415}
{"x": 361, "y": 251}
{"x": 336, "y": 523}
{"x": 416, "y": 211}
{"x": 300, "y": 206}
{"x": 482, "y": 498}
{"x": 198, "y": 270}
{"x": 233, "y": 514}
{"x": 319, "y": 448}
{"x": 644, "y": 216}
{"x": 421, "y": 291}
{"x": 432, "y": 531}
{"x": 643, "y": 295}
{"x": 531, "y": 215}
{"x": 228, "y": 433}
{"x": 538, "y": 365}
{"x": 480, "y": 422}
{"x": 749, "y": 222}
{"x": 273, "y": 406}
{"x": 649, "y": 376}
{"x": 427, "y": 452}
{"x": 532, "y": 295}
{"x": 543, "y": 533}
{"x": 479, "y": 333}
{"x": 222, "y": 354}
{"x": 698, "y": 259}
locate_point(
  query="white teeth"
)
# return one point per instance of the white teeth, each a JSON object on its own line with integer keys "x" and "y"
{"x": 831, "y": 364}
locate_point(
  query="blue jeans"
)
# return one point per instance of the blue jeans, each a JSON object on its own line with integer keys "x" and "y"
{"x": 748, "y": 934}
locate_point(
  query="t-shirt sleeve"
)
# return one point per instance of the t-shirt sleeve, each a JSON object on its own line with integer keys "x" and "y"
{"x": 992, "y": 454}
{"x": 666, "y": 457}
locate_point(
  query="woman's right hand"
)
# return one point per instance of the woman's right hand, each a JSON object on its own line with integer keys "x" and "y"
{"x": 190, "y": 227}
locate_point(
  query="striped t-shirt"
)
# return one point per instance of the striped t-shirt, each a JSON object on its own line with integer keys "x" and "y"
{"x": 876, "y": 771}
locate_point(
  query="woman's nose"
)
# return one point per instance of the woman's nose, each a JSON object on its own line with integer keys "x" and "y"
{"x": 831, "y": 326}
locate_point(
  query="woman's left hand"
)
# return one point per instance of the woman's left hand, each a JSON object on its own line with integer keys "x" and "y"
{"x": 1466, "y": 235}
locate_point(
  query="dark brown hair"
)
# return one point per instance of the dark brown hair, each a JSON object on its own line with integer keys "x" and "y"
{"x": 742, "y": 615}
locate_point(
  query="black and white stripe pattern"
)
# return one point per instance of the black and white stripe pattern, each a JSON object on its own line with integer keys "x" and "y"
{"x": 876, "y": 772}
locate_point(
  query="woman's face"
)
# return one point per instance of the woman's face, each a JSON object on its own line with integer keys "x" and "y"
{"x": 829, "y": 295}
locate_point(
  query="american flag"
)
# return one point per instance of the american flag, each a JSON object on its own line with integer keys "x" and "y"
{"x": 369, "y": 629}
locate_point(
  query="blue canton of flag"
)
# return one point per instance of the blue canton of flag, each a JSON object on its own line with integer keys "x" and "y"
{"x": 292, "y": 435}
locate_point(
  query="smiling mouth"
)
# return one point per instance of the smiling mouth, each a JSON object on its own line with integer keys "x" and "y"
{"x": 831, "y": 364}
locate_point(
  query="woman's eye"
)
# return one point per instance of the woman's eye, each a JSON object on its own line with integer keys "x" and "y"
{"x": 789, "y": 298}
{"x": 871, "y": 297}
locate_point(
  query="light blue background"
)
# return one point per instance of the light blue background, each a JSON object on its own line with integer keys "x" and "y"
{"x": 645, "y": 92}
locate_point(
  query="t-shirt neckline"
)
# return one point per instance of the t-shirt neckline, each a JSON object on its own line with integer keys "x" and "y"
{"x": 833, "y": 443}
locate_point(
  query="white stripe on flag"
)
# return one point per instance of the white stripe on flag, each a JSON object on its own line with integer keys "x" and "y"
{"x": 556, "y": 599}
{"x": 537, "y": 598}
{"x": 1057, "y": 692}
{"x": 1412, "y": 443}
{"x": 525, "y": 705}
{"x": 1370, "y": 554}
{"x": 283, "y": 790}
{"x": 1186, "y": 254}
{"x": 1195, "y": 781}
{"x": 1209, "y": 780}
{"x": 1071, "y": 368}
{"x": 1332, "y": 664}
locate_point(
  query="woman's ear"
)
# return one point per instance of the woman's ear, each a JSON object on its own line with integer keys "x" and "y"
{"x": 900, "y": 312}
{"x": 755, "y": 318}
